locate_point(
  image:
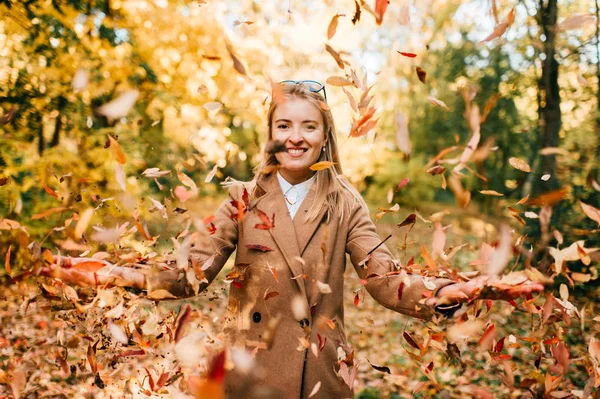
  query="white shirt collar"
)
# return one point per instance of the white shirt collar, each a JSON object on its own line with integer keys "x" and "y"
{"x": 300, "y": 191}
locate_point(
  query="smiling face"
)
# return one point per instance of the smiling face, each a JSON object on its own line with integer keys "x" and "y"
{"x": 298, "y": 124}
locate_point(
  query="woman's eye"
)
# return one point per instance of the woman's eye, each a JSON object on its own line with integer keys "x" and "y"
{"x": 311, "y": 127}
{"x": 282, "y": 126}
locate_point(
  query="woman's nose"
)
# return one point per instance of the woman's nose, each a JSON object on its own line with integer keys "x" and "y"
{"x": 296, "y": 135}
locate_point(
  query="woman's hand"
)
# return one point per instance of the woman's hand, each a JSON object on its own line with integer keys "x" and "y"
{"x": 86, "y": 272}
{"x": 506, "y": 288}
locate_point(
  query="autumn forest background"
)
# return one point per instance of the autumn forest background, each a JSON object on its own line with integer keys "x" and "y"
{"x": 470, "y": 127}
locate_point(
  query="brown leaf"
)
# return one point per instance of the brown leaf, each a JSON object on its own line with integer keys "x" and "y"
{"x": 237, "y": 64}
{"x": 116, "y": 150}
{"x": 351, "y": 99}
{"x": 491, "y": 192}
{"x": 356, "y": 16}
{"x": 91, "y": 357}
{"x": 410, "y": 340}
{"x": 436, "y": 170}
{"x": 439, "y": 103}
{"x": 7, "y": 117}
{"x": 591, "y": 212}
{"x": 485, "y": 342}
{"x": 338, "y": 81}
{"x": 489, "y": 105}
{"x": 275, "y": 146}
{"x": 410, "y": 219}
{"x": 383, "y": 369}
{"x": 266, "y": 222}
{"x": 400, "y": 289}
{"x": 421, "y": 74}
{"x": 333, "y": 26}
{"x": 519, "y": 164}
{"x": 270, "y": 295}
{"x": 336, "y": 56}
{"x": 7, "y": 261}
{"x": 501, "y": 28}
{"x": 182, "y": 321}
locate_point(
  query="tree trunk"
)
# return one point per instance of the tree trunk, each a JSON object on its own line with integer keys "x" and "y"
{"x": 550, "y": 96}
{"x": 62, "y": 102}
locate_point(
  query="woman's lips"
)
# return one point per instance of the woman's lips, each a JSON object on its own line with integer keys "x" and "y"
{"x": 296, "y": 152}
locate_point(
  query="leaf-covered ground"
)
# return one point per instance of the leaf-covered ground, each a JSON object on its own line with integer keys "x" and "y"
{"x": 47, "y": 344}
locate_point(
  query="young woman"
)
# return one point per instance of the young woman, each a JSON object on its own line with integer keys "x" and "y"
{"x": 292, "y": 228}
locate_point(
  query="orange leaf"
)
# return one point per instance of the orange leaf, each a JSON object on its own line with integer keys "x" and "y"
{"x": 336, "y": 56}
{"x": 270, "y": 295}
{"x": 48, "y": 212}
{"x": 409, "y": 55}
{"x": 333, "y": 26}
{"x": 49, "y": 190}
{"x": 338, "y": 81}
{"x": 322, "y": 165}
{"x": 428, "y": 259}
{"x": 88, "y": 266}
{"x": 117, "y": 150}
{"x": 380, "y": 8}
{"x": 7, "y": 263}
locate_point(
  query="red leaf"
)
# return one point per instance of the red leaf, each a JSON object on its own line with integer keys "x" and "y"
{"x": 236, "y": 284}
{"x": 403, "y": 183}
{"x": 356, "y": 299}
{"x": 266, "y": 224}
{"x": 322, "y": 342}
{"x": 499, "y": 345}
{"x": 217, "y": 367}
{"x": 429, "y": 367}
{"x": 258, "y": 247}
{"x": 409, "y": 55}
{"x": 400, "y": 289}
{"x": 410, "y": 340}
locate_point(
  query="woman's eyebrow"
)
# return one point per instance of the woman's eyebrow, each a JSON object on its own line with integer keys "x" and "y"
{"x": 289, "y": 121}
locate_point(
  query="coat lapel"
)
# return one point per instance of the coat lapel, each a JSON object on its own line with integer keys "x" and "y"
{"x": 283, "y": 233}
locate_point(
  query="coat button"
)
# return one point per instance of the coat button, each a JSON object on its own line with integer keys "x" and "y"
{"x": 304, "y": 323}
{"x": 256, "y": 317}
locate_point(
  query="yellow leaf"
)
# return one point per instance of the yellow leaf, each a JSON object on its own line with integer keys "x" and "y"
{"x": 322, "y": 165}
{"x": 338, "y": 81}
{"x": 519, "y": 164}
{"x": 491, "y": 192}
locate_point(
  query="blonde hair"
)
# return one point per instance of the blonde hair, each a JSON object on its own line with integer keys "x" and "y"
{"x": 325, "y": 178}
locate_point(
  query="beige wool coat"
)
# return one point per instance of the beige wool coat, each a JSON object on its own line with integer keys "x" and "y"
{"x": 278, "y": 312}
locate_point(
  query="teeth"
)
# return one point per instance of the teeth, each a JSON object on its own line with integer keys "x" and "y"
{"x": 295, "y": 152}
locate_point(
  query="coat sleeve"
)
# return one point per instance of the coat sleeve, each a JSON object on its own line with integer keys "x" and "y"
{"x": 207, "y": 255}
{"x": 381, "y": 285}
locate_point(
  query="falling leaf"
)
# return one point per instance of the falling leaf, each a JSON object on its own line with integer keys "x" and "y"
{"x": 182, "y": 193}
{"x": 237, "y": 22}
{"x": 118, "y": 333}
{"x": 120, "y": 176}
{"x": 116, "y": 150}
{"x": 400, "y": 290}
{"x": 258, "y": 247}
{"x": 383, "y": 369}
{"x": 237, "y": 64}
{"x": 331, "y": 29}
{"x": 322, "y": 165}
{"x": 436, "y": 170}
{"x": 8, "y": 116}
{"x": 463, "y": 331}
{"x": 421, "y": 74}
{"x": 491, "y": 192}
{"x": 315, "y": 389}
{"x": 410, "y": 219}
{"x": 411, "y": 340}
{"x": 338, "y": 81}
{"x": 270, "y": 295}
{"x": 80, "y": 80}
{"x": 84, "y": 220}
{"x": 501, "y": 28}
{"x": 336, "y": 56}
{"x": 439, "y": 103}
{"x": 155, "y": 172}
{"x": 519, "y": 164}
{"x": 380, "y": 8}
{"x": 403, "y": 183}
{"x": 591, "y": 212}
{"x": 49, "y": 190}
{"x": 120, "y": 106}
{"x": 211, "y": 174}
{"x": 213, "y": 106}
{"x": 49, "y": 212}
{"x": 187, "y": 181}
{"x": 405, "y": 14}
{"x": 409, "y": 55}
{"x": 364, "y": 124}
{"x": 576, "y": 22}
{"x": 485, "y": 342}
{"x": 267, "y": 223}
{"x": 7, "y": 260}
{"x": 546, "y": 177}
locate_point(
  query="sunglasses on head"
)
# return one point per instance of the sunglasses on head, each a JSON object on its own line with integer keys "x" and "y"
{"x": 312, "y": 85}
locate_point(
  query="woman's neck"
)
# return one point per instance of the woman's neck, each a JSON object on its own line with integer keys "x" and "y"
{"x": 295, "y": 178}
